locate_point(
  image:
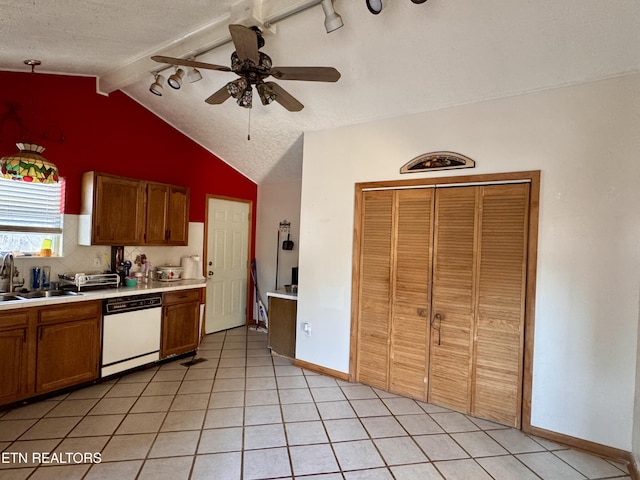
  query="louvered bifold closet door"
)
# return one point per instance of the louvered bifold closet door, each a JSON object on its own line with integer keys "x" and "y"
{"x": 501, "y": 282}
{"x": 453, "y": 300}
{"x": 411, "y": 290}
{"x": 375, "y": 289}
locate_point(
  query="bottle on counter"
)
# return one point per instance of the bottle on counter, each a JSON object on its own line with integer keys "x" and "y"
{"x": 147, "y": 272}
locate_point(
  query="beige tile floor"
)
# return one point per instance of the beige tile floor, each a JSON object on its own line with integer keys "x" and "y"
{"x": 244, "y": 414}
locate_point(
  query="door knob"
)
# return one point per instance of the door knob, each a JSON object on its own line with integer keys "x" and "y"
{"x": 210, "y": 264}
{"x": 210, "y": 273}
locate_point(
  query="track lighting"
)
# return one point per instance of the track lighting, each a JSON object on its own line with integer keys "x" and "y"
{"x": 156, "y": 87}
{"x": 194, "y": 75}
{"x": 332, "y": 20}
{"x": 374, "y": 6}
{"x": 175, "y": 80}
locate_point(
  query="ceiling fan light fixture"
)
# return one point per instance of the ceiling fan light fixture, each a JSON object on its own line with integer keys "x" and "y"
{"x": 266, "y": 93}
{"x": 374, "y": 6}
{"x": 175, "y": 80}
{"x": 245, "y": 98}
{"x": 332, "y": 20}
{"x": 156, "y": 87}
{"x": 236, "y": 87}
{"x": 194, "y": 75}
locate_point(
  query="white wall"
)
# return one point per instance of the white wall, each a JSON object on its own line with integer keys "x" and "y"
{"x": 276, "y": 202}
{"x": 636, "y": 414}
{"x": 585, "y": 141}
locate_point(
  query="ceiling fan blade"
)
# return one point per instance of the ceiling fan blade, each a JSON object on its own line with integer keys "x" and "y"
{"x": 246, "y": 42}
{"x": 189, "y": 63}
{"x": 312, "y": 74}
{"x": 218, "y": 97}
{"x": 284, "y": 98}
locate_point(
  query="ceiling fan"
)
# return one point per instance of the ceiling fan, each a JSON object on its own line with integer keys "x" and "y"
{"x": 253, "y": 67}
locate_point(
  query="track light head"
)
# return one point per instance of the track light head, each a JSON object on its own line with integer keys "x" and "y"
{"x": 194, "y": 75}
{"x": 374, "y": 6}
{"x": 332, "y": 20}
{"x": 156, "y": 87}
{"x": 175, "y": 80}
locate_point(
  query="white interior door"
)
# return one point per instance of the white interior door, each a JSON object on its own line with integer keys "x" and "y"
{"x": 226, "y": 263}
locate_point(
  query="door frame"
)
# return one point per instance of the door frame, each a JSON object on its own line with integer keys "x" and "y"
{"x": 533, "y": 178}
{"x": 208, "y": 197}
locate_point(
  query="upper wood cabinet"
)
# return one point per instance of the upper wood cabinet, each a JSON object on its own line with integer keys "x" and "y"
{"x": 125, "y": 211}
{"x": 167, "y": 209}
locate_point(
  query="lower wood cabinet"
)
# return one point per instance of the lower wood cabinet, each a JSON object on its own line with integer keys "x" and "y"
{"x": 180, "y": 322}
{"x": 17, "y": 356}
{"x": 68, "y": 345}
{"x": 282, "y": 326}
{"x": 43, "y": 349}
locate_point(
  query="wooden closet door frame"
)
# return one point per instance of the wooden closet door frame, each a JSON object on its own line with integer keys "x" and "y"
{"x": 533, "y": 178}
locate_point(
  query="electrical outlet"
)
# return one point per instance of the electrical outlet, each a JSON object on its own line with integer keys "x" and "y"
{"x": 307, "y": 329}
{"x": 97, "y": 262}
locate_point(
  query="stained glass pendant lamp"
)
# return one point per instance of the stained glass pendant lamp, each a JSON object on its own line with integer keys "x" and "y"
{"x": 27, "y": 165}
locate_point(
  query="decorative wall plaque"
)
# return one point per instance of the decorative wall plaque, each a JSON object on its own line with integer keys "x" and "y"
{"x": 437, "y": 161}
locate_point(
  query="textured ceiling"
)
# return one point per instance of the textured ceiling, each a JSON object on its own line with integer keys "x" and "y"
{"x": 409, "y": 59}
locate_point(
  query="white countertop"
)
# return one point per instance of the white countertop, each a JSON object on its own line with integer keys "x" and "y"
{"x": 282, "y": 293}
{"x": 83, "y": 296}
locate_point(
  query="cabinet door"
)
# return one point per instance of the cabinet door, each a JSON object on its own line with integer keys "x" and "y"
{"x": 68, "y": 353}
{"x": 157, "y": 208}
{"x": 167, "y": 214}
{"x": 282, "y": 326}
{"x": 179, "y": 328}
{"x": 119, "y": 211}
{"x": 13, "y": 364}
{"x": 16, "y": 354}
{"x": 178, "y": 216}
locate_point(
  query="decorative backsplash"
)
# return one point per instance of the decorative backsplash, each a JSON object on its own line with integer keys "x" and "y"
{"x": 77, "y": 258}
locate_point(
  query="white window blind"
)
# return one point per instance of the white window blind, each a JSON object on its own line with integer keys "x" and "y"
{"x": 30, "y": 207}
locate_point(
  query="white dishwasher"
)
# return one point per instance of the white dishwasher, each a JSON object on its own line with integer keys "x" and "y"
{"x": 130, "y": 332}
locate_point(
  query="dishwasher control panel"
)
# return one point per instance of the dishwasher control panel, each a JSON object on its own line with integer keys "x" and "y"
{"x": 132, "y": 303}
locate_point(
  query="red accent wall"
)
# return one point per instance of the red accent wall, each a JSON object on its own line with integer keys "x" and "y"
{"x": 111, "y": 134}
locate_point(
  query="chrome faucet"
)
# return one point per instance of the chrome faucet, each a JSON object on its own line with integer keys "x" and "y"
{"x": 12, "y": 268}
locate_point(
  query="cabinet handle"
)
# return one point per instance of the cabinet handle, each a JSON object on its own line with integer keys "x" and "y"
{"x": 437, "y": 318}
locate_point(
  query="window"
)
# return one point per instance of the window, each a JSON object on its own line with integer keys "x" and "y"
{"x": 29, "y": 214}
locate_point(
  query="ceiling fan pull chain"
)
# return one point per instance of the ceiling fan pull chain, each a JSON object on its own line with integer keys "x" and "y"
{"x": 249, "y": 129}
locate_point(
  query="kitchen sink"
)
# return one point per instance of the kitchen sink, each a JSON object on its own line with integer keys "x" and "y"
{"x": 47, "y": 293}
{"x": 7, "y": 297}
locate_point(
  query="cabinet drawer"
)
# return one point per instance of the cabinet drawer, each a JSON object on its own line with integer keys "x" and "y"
{"x": 15, "y": 318}
{"x": 77, "y": 311}
{"x": 181, "y": 296}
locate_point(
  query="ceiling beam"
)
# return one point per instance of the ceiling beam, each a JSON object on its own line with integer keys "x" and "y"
{"x": 246, "y": 12}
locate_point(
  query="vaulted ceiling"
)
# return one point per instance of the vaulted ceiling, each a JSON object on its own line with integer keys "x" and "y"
{"x": 408, "y": 59}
